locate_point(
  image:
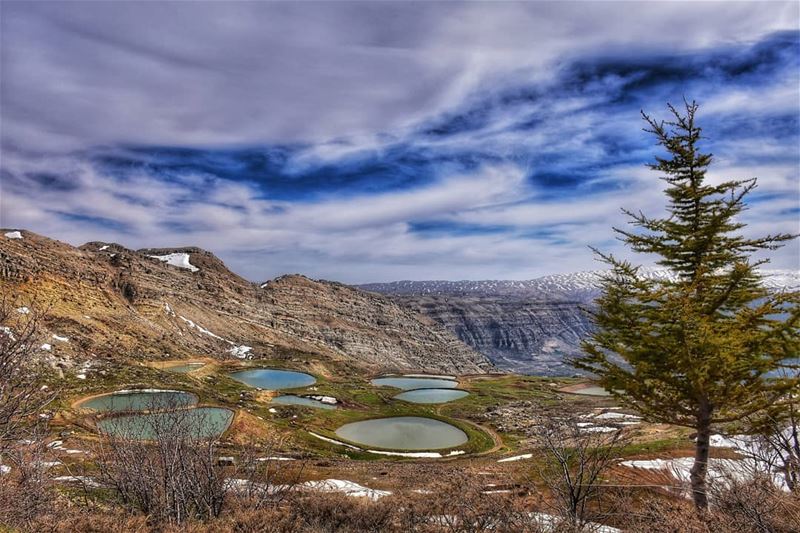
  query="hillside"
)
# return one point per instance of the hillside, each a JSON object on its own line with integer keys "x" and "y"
{"x": 112, "y": 302}
{"x": 531, "y": 326}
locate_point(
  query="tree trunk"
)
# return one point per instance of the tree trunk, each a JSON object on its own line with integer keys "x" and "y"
{"x": 700, "y": 466}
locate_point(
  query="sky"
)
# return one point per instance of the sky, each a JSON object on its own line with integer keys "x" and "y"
{"x": 379, "y": 141}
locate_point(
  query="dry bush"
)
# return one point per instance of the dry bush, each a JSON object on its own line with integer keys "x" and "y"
{"x": 164, "y": 471}
{"x": 756, "y": 505}
{"x": 25, "y": 491}
{"x": 339, "y": 513}
{"x": 460, "y": 502}
{"x": 21, "y": 395}
{"x": 572, "y": 467}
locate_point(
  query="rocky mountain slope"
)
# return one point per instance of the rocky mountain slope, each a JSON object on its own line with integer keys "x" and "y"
{"x": 111, "y": 302}
{"x": 532, "y": 326}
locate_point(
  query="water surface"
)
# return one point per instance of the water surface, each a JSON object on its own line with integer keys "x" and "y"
{"x": 409, "y": 383}
{"x": 593, "y": 390}
{"x": 290, "y": 399}
{"x": 403, "y": 433}
{"x": 139, "y": 401}
{"x": 274, "y": 379}
{"x": 431, "y": 395}
{"x": 184, "y": 368}
{"x": 199, "y": 423}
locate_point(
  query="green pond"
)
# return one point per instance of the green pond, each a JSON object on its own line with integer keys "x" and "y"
{"x": 403, "y": 433}
{"x": 144, "y": 400}
{"x": 199, "y": 423}
{"x": 592, "y": 391}
{"x": 289, "y": 399}
{"x": 409, "y": 383}
{"x": 184, "y": 368}
{"x": 274, "y": 379}
{"x": 431, "y": 395}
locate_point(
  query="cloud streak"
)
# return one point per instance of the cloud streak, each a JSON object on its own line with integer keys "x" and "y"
{"x": 368, "y": 142}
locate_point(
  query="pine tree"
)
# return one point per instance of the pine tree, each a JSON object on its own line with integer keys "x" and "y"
{"x": 703, "y": 347}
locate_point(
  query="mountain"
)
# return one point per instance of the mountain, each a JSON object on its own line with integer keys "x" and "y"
{"x": 112, "y": 302}
{"x": 532, "y": 326}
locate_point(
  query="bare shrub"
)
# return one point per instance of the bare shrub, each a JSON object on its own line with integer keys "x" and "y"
{"x": 774, "y": 446}
{"x": 21, "y": 395}
{"x": 754, "y": 505}
{"x": 571, "y": 468}
{"x": 162, "y": 468}
{"x": 24, "y": 481}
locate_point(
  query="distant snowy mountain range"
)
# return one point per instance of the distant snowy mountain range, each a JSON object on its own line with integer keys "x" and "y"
{"x": 580, "y": 286}
{"x": 532, "y": 326}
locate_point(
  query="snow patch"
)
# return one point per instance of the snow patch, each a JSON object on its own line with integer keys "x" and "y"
{"x": 419, "y": 455}
{"x": 46, "y": 347}
{"x": 349, "y": 488}
{"x": 241, "y": 352}
{"x": 86, "y": 480}
{"x": 180, "y": 260}
{"x": 330, "y": 400}
{"x": 334, "y": 441}
{"x": 599, "y": 429}
{"x": 59, "y": 338}
{"x": 718, "y": 469}
{"x": 104, "y": 247}
{"x": 23, "y": 310}
{"x": 14, "y": 235}
{"x": 516, "y": 458}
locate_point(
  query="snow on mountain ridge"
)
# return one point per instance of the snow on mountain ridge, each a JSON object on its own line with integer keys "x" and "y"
{"x": 580, "y": 285}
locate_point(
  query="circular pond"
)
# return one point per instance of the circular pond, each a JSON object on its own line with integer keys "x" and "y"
{"x": 431, "y": 395}
{"x": 586, "y": 389}
{"x": 273, "y": 379}
{"x": 403, "y": 433}
{"x": 289, "y": 399}
{"x": 184, "y": 368}
{"x": 199, "y": 423}
{"x": 139, "y": 400}
{"x": 409, "y": 383}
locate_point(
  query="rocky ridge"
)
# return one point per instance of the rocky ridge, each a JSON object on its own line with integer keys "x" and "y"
{"x": 150, "y": 304}
{"x": 531, "y": 326}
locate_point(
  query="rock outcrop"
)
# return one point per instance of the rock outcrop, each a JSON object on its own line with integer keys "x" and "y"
{"x": 112, "y": 302}
{"x": 532, "y": 326}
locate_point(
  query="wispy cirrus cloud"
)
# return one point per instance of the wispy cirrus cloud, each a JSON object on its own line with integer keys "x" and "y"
{"x": 368, "y": 142}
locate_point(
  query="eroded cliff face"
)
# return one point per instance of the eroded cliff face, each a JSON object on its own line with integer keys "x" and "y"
{"x": 531, "y": 326}
{"x": 517, "y": 333}
{"x": 114, "y": 303}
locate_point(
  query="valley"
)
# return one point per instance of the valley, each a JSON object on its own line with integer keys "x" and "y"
{"x": 347, "y": 390}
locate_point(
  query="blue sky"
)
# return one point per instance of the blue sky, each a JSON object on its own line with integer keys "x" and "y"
{"x": 380, "y": 141}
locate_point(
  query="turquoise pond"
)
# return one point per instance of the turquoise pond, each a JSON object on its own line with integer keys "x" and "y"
{"x": 145, "y": 400}
{"x": 409, "y": 383}
{"x": 289, "y": 399}
{"x": 273, "y": 379}
{"x": 199, "y": 422}
{"x": 403, "y": 433}
{"x": 431, "y": 395}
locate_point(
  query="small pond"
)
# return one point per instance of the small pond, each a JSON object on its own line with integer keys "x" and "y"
{"x": 592, "y": 390}
{"x": 144, "y": 400}
{"x": 409, "y": 383}
{"x": 403, "y": 433}
{"x": 200, "y": 423}
{"x": 290, "y": 399}
{"x": 273, "y": 379}
{"x": 431, "y": 395}
{"x": 184, "y": 368}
